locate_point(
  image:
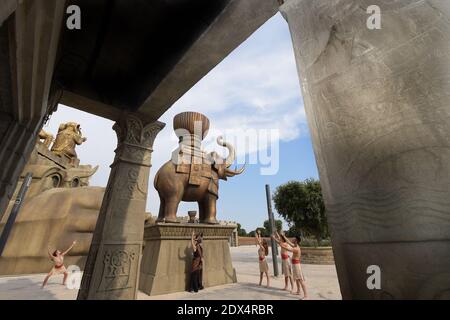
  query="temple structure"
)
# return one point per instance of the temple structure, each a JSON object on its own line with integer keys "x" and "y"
{"x": 377, "y": 103}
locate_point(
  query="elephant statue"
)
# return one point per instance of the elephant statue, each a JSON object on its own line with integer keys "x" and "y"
{"x": 197, "y": 181}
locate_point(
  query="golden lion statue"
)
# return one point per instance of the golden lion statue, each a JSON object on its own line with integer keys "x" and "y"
{"x": 68, "y": 137}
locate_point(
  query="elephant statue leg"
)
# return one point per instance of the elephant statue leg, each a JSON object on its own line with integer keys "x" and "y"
{"x": 162, "y": 209}
{"x": 209, "y": 209}
{"x": 168, "y": 210}
{"x": 201, "y": 210}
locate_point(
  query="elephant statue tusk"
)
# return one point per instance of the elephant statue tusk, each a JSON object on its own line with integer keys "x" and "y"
{"x": 232, "y": 173}
{"x": 231, "y": 153}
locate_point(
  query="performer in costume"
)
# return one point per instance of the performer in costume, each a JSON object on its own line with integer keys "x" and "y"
{"x": 58, "y": 268}
{"x": 200, "y": 273}
{"x": 197, "y": 263}
{"x": 263, "y": 251}
{"x": 297, "y": 272}
{"x": 285, "y": 264}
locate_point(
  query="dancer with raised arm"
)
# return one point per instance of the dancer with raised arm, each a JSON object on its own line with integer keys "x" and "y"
{"x": 285, "y": 264}
{"x": 57, "y": 258}
{"x": 263, "y": 251}
{"x": 197, "y": 263}
{"x": 297, "y": 272}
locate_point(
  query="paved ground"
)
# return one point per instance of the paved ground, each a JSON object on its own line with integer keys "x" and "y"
{"x": 321, "y": 281}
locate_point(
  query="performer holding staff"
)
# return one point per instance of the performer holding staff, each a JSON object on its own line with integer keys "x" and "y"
{"x": 285, "y": 264}
{"x": 263, "y": 251}
{"x": 297, "y": 273}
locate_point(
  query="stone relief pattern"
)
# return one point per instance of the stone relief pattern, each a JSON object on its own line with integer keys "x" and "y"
{"x": 133, "y": 131}
{"x": 134, "y": 154}
{"x": 382, "y": 118}
{"x": 130, "y": 183}
{"x": 117, "y": 268}
{"x": 378, "y": 105}
{"x": 185, "y": 232}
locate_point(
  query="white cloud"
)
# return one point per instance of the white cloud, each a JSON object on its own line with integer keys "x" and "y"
{"x": 254, "y": 91}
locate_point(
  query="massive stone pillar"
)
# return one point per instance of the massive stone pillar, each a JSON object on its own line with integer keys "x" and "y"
{"x": 112, "y": 267}
{"x": 378, "y": 106}
{"x": 15, "y": 147}
{"x": 29, "y": 36}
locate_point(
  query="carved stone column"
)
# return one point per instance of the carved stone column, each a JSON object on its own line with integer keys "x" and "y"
{"x": 378, "y": 106}
{"x": 112, "y": 266}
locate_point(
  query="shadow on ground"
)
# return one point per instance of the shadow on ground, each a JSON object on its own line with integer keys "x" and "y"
{"x": 272, "y": 291}
{"x": 25, "y": 289}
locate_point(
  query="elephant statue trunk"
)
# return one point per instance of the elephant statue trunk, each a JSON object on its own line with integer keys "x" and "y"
{"x": 231, "y": 153}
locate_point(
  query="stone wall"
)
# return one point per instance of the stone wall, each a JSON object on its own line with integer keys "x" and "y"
{"x": 250, "y": 241}
{"x": 167, "y": 257}
{"x": 310, "y": 255}
{"x": 317, "y": 255}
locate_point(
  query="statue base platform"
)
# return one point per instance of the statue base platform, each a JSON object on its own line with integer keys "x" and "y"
{"x": 167, "y": 257}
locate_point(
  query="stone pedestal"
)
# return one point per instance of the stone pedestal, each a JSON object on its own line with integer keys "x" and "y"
{"x": 378, "y": 107}
{"x": 167, "y": 257}
{"x": 112, "y": 266}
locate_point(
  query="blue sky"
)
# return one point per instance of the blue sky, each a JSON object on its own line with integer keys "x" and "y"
{"x": 255, "y": 89}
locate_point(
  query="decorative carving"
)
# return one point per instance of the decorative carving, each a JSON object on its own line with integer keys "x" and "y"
{"x": 132, "y": 130}
{"x": 184, "y": 231}
{"x": 135, "y": 139}
{"x": 117, "y": 269}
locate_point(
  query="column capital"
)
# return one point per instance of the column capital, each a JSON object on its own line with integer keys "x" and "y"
{"x": 135, "y": 138}
{"x": 134, "y": 130}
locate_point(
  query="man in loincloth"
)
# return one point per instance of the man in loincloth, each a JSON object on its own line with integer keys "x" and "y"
{"x": 285, "y": 263}
{"x": 297, "y": 272}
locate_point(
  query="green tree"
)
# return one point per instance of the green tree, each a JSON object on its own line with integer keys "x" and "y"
{"x": 252, "y": 233}
{"x": 301, "y": 204}
{"x": 278, "y": 227}
{"x": 293, "y": 231}
{"x": 241, "y": 232}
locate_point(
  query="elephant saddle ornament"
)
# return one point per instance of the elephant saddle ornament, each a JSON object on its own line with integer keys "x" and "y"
{"x": 198, "y": 167}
